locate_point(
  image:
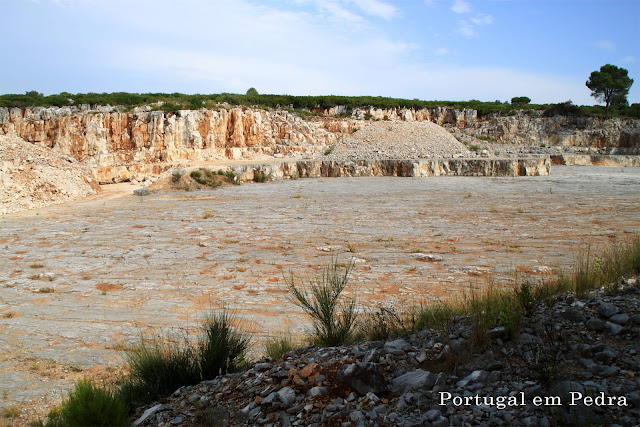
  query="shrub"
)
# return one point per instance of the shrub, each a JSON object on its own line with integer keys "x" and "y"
{"x": 231, "y": 177}
{"x": 260, "y": 177}
{"x": 221, "y": 348}
{"x": 175, "y": 177}
{"x": 334, "y": 321}
{"x": 157, "y": 368}
{"x": 205, "y": 177}
{"x": 91, "y": 405}
{"x": 160, "y": 367}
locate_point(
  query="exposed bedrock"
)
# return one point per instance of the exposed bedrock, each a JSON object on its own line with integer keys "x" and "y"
{"x": 149, "y": 142}
{"x": 532, "y": 166}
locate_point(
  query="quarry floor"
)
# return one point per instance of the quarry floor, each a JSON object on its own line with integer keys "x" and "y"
{"x": 82, "y": 281}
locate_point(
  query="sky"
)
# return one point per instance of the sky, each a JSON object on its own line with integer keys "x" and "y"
{"x": 454, "y": 50}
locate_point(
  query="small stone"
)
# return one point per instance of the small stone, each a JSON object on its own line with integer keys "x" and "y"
{"x": 613, "y": 328}
{"x": 474, "y": 377}
{"x": 416, "y": 380}
{"x": 607, "y": 310}
{"x": 287, "y": 396}
{"x": 363, "y": 377}
{"x": 317, "y": 391}
{"x": 433, "y": 415}
{"x": 372, "y": 397}
{"x": 619, "y": 319}
{"x": 397, "y": 347}
{"x": 261, "y": 367}
{"x": 595, "y": 324}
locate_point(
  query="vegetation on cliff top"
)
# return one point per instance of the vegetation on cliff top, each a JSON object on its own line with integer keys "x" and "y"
{"x": 178, "y": 101}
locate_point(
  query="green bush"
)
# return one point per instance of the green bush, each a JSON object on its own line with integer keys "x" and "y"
{"x": 334, "y": 320}
{"x": 157, "y": 368}
{"x": 385, "y": 323}
{"x": 231, "y": 177}
{"x": 260, "y": 177}
{"x": 160, "y": 367}
{"x": 175, "y": 177}
{"x": 221, "y": 348}
{"x": 91, "y": 405}
{"x": 205, "y": 177}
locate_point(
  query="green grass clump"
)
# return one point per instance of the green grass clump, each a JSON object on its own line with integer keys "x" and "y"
{"x": 175, "y": 177}
{"x": 385, "y": 323}
{"x": 222, "y": 348}
{"x": 334, "y": 320}
{"x": 279, "y": 346}
{"x": 205, "y": 177}
{"x": 260, "y": 177}
{"x": 229, "y": 176}
{"x": 159, "y": 367}
{"x": 89, "y": 404}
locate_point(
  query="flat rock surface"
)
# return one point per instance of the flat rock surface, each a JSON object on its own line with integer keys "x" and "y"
{"x": 79, "y": 282}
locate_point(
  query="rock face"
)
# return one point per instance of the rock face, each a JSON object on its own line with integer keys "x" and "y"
{"x": 560, "y": 130}
{"x": 105, "y": 137}
{"x": 530, "y": 166}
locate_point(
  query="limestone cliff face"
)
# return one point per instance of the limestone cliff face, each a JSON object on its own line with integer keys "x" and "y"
{"x": 559, "y": 130}
{"x": 117, "y": 142}
{"x": 106, "y": 137}
{"x": 525, "y": 129}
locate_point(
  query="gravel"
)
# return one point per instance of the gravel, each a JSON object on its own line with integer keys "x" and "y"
{"x": 398, "y": 140}
{"x": 32, "y": 176}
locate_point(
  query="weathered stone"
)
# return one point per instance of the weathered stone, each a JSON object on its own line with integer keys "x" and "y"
{"x": 317, "y": 391}
{"x": 619, "y": 319}
{"x": 286, "y": 395}
{"x": 363, "y": 377}
{"x": 475, "y": 376}
{"x": 613, "y": 328}
{"x": 607, "y": 310}
{"x": 595, "y": 324}
{"x": 416, "y": 380}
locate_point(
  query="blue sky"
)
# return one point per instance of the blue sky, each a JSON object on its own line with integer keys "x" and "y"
{"x": 426, "y": 49}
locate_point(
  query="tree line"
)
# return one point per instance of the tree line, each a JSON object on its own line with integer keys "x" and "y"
{"x": 609, "y": 85}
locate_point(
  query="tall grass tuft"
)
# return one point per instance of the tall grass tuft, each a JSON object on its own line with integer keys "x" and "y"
{"x": 159, "y": 367}
{"x": 334, "y": 320}
{"x": 221, "y": 348}
{"x": 278, "y": 346}
{"x": 91, "y": 405}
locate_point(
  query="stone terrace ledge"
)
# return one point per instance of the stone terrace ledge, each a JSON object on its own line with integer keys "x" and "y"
{"x": 279, "y": 169}
{"x": 529, "y": 166}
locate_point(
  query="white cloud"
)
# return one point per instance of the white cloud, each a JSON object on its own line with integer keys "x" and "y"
{"x": 628, "y": 60}
{"x": 461, "y": 6}
{"x": 466, "y": 28}
{"x": 606, "y": 45}
{"x": 482, "y": 19}
{"x": 376, "y": 8}
{"x": 441, "y": 51}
